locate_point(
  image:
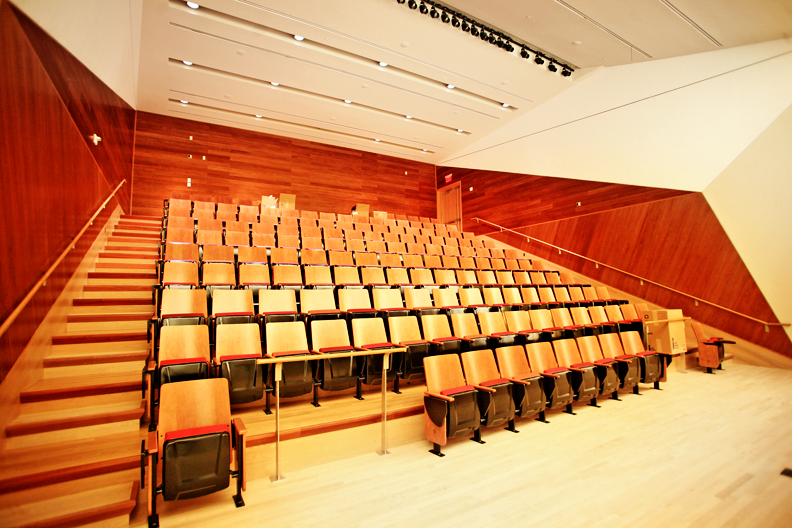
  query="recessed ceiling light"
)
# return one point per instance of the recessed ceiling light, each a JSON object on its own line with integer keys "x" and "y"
{"x": 460, "y": 130}
{"x": 450, "y": 86}
{"x": 258, "y": 116}
{"x": 187, "y": 63}
{"x": 185, "y": 102}
{"x": 193, "y": 5}
{"x": 275, "y": 84}
{"x": 505, "y": 105}
{"x": 347, "y": 101}
{"x": 298, "y": 37}
{"x": 408, "y": 117}
{"x": 376, "y": 140}
{"x": 383, "y": 64}
{"x": 425, "y": 150}
{"x": 577, "y": 42}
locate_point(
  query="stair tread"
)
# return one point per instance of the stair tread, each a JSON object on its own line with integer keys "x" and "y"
{"x": 103, "y": 318}
{"x": 82, "y": 381}
{"x": 76, "y": 359}
{"x": 77, "y": 508}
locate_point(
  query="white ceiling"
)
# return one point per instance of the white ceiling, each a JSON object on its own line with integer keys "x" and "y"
{"x": 238, "y": 47}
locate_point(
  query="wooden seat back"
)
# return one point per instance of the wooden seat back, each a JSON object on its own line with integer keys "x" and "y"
{"x": 184, "y": 342}
{"x": 237, "y": 340}
{"x": 368, "y": 331}
{"x": 610, "y": 345}
{"x": 518, "y": 320}
{"x": 479, "y": 366}
{"x": 404, "y": 329}
{"x": 566, "y": 352}
{"x": 353, "y": 299}
{"x": 513, "y": 362}
{"x": 589, "y": 348}
{"x": 232, "y": 301}
{"x": 415, "y": 298}
{"x": 387, "y": 298}
{"x": 540, "y": 356}
{"x": 435, "y": 326}
{"x": 329, "y": 333}
{"x": 277, "y": 301}
{"x": 464, "y": 325}
{"x": 443, "y": 372}
{"x": 443, "y": 297}
{"x": 317, "y": 300}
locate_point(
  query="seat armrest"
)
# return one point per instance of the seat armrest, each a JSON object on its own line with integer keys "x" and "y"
{"x": 239, "y": 425}
{"x": 438, "y": 396}
{"x": 545, "y": 374}
{"x": 151, "y": 366}
{"x": 484, "y": 389}
{"x": 152, "y": 443}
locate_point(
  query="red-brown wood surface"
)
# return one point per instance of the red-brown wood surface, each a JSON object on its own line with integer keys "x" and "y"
{"x": 676, "y": 242}
{"x": 50, "y": 185}
{"x": 94, "y": 107}
{"x": 242, "y": 166}
{"x": 516, "y": 200}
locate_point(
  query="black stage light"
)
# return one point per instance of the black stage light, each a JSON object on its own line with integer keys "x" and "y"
{"x": 483, "y": 35}
{"x": 445, "y": 18}
{"x": 538, "y": 60}
{"x": 524, "y": 54}
{"x": 492, "y": 39}
{"x": 433, "y": 13}
{"x": 500, "y": 43}
{"x": 412, "y": 4}
{"x": 423, "y": 9}
{"x": 455, "y": 22}
{"x": 552, "y": 67}
{"x": 465, "y": 27}
{"x": 474, "y": 31}
{"x": 509, "y": 47}
{"x": 400, "y": 1}
{"x": 566, "y": 73}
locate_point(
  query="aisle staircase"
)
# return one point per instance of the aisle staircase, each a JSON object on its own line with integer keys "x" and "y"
{"x": 72, "y": 455}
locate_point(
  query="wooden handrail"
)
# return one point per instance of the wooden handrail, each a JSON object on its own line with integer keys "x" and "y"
{"x": 36, "y": 287}
{"x": 560, "y": 249}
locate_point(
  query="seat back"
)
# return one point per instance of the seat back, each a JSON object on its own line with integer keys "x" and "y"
{"x": 356, "y": 299}
{"x": 512, "y": 295}
{"x": 372, "y": 276}
{"x": 541, "y": 319}
{"x": 387, "y": 298}
{"x": 493, "y": 296}
{"x": 316, "y": 300}
{"x": 629, "y": 312}
{"x": 277, "y": 301}
{"x": 479, "y": 366}
{"x": 443, "y": 372}
{"x": 513, "y": 362}
{"x": 422, "y": 277}
{"x": 518, "y": 320}
{"x": 610, "y": 345}
{"x": 417, "y": 298}
{"x": 580, "y": 316}
{"x": 597, "y": 314}
{"x": 183, "y": 252}
{"x": 631, "y": 342}
{"x": 589, "y": 348}
{"x": 397, "y": 276}
{"x": 540, "y": 356}
{"x": 492, "y": 323}
{"x": 237, "y": 348}
{"x": 464, "y": 325}
{"x": 329, "y": 333}
{"x": 529, "y": 295}
{"x": 561, "y": 317}
{"x": 183, "y": 353}
{"x": 470, "y": 297}
{"x": 404, "y": 329}
{"x": 346, "y": 275}
{"x": 546, "y": 295}
{"x": 368, "y": 331}
{"x": 223, "y": 254}
{"x": 230, "y": 304}
{"x": 614, "y": 313}
{"x": 566, "y": 352}
{"x": 444, "y": 277}
{"x": 180, "y": 274}
{"x": 443, "y": 297}
{"x": 435, "y": 326}
{"x": 317, "y": 276}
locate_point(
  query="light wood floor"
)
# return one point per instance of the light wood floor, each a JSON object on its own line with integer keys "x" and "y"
{"x": 706, "y": 451}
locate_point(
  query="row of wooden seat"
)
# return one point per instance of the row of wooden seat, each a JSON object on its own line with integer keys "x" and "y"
{"x": 174, "y": 204}
{"x": 490, "y": 387}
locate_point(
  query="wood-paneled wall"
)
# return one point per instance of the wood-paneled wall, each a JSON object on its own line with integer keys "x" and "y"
{"x": 244, "y": 165}
{"x": 51, "y": 185}
{"x": 94, "y": 107}
{"x": 516, "y": 200}
{"x": 676, "y": 242}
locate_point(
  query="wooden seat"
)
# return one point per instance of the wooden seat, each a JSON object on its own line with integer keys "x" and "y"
{"x": 331, "y": 337}
{"x": 309, "y": 257}
{"x": 446, "y": 300}
{"x": 606, "y": 368}
{"x": 628, "y": 366}
{"x": 437, "y": 330}
{"x": 653, "y": 363}
{"x": 404, "y": 332}
{"x": 193, "y": 443}
{"x": 419, "y": 302}
{"x": 218, "y": 254}
{"x": 365, "y": 259}
{"x": 346, "y": 277}
{"x": 585, "y": 382}
{"x": 277, "y": 306}
{"x": 369, "y": 334}
{"x": 493, "y": 325}
{"x": 254, "y": 272}
{"x": 471, "y": 299}
{"x": 318, "y": 304}
{"x": 388, "y": 302}
{"x": 287, "y": 277}
{"x": 519, "y": 321}
{"x": 238, "y": 347}
{"x": 466, "y": 328}
{"x": 180, "y": 275}
{"x": 450, "y": 404}
{"x": 495, "y": 398}
{"x": 373, "y": 278}
{"x": 355, "y": 303}
{"x": 218, "y": 276}
{"x": 288, "y": 339}
{"x": 563, "y": 319}
{"x": 232, "y": 307}
{"x": 557, "y": 380}
{"x": 710, "y": 349}
{"x": 528, "y": 386}
{"x": 317, "y": 277}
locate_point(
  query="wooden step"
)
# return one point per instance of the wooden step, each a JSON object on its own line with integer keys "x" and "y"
{"x": 98, "y": 369}
{"x": 105, "y": 318}
{"x": 82, "y": 386}
{"x": 55, "y": 361}
{"x": 133, "y": 241}
{"x": 110, "y": 506}
{"x": 128, "y": 260}
{"x": 131, "y": 398}
{"x": 141, "y": 218}
{"x": 114, "y": 301}
{"x": 29, "y": 424}
{"x": 127, "y": 308}
{"x": 93, "y": 327}
{"x": 143, "y": 293}
{"x": 123, "y": 275}
{"x": 128, "y": 255}
{"x": 142, "y": 226}
{"x": 115, "y": 287}
{"x": 97, "y": 337}
{"x": 132, "y": 266}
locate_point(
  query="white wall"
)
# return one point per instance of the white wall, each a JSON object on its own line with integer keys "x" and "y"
{"x": 751, "y": 198}
{"x": 675, "y": 123}
{"x": 103, "y": 34}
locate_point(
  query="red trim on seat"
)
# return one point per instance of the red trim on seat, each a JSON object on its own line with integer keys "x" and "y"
{"x": 178, "y": 284}
{"x": 346, "y": 348}
{"x": 240, "y": 356}
{"x": 361, "y": 310}
{"x": 374, "y": 346}
{"x": 498, "y": 334}
{"x": 646, "y": 353}
{"x": 442, "y": 339}
{"x": 556, "y": 370}
{"x": 196, "y": 431}
{"x": 416, "y": 342}
{"x": 183, "y": 360}
{"x": 604, "y": 361}
{"x": 552, "y": 329}
{"x": 526, "y": 332}
{"x": 582, "y": 365}
{"x": 626, "y": 356}
{"x": 278, "y": 313}
{"x": 391, "y": 309}
{"x": 231, "y": 314}
{"x": 490, "y": 383}
{"x": 290, "y": 353}
{"x": 457, "y": 390}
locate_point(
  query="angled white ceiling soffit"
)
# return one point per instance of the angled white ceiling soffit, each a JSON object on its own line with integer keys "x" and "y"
{"x": 675, "y": 123}
{"x": 238, "y": 48}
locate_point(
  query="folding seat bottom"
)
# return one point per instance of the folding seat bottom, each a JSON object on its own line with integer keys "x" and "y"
{"x": 245, "y": 378}
{"x": 196, "y": 464}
